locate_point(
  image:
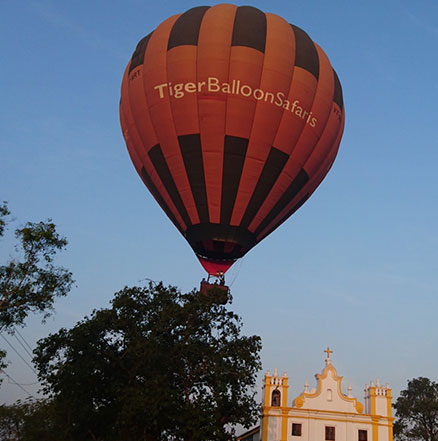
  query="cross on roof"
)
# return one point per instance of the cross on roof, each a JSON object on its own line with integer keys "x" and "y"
{"x": 328, "y": 352}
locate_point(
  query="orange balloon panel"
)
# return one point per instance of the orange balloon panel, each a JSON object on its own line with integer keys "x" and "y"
{"x": 232, "y": 118}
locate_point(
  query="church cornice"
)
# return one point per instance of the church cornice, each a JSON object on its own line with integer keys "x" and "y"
{"x": 343, "y": 417}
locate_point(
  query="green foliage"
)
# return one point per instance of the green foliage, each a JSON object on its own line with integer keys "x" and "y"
{"x": 4, "y": 212}
{"x": 31, "y": 282}
{"x": 417, "y": 411}
{"x": 3, "y": 363}
{"x": 158, "y": 365}
{"x": 11, "y": 422}
{"x": 31, "y": 420}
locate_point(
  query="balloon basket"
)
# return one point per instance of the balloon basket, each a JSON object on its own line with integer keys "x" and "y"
{"x": 214, "y": 292}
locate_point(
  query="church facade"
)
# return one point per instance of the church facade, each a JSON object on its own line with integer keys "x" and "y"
{"x": 324, "y": 413}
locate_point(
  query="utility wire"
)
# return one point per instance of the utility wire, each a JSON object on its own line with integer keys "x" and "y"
{"x": 23, "y": 384}
{"x": 30, "y": 367}
{"x": 27, "y": 344}
{"x": 24, "y": 347}
{"x": 17, "y": 384}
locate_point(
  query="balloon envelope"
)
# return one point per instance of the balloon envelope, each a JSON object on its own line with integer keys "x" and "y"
{"x": 232, "y": 118}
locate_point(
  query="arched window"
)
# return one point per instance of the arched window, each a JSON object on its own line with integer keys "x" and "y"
{"x": 276, "y": 398}
{"x": 329, "y": 395}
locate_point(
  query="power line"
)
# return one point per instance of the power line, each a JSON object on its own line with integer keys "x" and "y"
{"x": 23, "y": 384}
{"x": 30, "y": 367}
{"x": 24, "y": 347}
{"x": 27, "y": 344}
{"x": 17, "y": 384}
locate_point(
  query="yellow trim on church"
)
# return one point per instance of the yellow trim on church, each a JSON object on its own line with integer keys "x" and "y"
{"x": 267, "y": 402}
{"x": 299, "y": 401}
{"x": 339, "y": 412}
{"x": 284, "y": 409}
{"x": 375, "y": 423}
{"x": 337, "y": 420}
{"x": 389, "y": 402}
{"x": 389, "y": 413}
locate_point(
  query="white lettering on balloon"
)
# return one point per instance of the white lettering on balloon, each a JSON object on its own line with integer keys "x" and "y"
{"x": 234, "y": 87}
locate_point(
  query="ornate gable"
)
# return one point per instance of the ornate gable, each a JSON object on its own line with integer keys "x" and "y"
{"x": 328, "y": 394}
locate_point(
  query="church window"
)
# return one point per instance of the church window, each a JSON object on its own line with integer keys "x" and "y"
{"x": 363, "y": 435}
{"x": 329, "y": 433}
{"x": 296, "y": 429}
{"x": 329, "y": 395}
{"x": 276, "y": 398}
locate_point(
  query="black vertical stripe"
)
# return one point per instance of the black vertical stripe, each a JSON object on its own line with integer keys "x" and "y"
{"x": 273, "y": 166}
{"x": 294, "y": 188}
{"x": 191, "y": 151}
{"x": 162, "y": 169}
{"x": 249, "y": 28}
{"x": 306, "y": 55}
{"x": 286, "y": 216}
{"x": 186, "y": 28}
{"x": 234, "y": 157}
{"x": 138, "y": 55}
{"x": 337, "y": 98}
{"x": 156, "y": 194}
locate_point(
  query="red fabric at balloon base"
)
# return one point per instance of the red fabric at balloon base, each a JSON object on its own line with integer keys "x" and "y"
{"x": 214, "y": 266}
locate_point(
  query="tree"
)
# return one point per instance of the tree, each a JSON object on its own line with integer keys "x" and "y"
{"x": 417, "y": 411}
{"x": 4, "y": 212}
{"x": 31, "y": 282}
{"x": 11, "y": 422}
{"x": 29, "y": 420}
{"x": 158, "y": 365}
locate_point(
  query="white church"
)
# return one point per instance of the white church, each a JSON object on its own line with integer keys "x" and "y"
{"x": 323, "y": 413}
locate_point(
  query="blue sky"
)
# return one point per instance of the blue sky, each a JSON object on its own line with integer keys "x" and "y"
{"x": 355, "y": 268}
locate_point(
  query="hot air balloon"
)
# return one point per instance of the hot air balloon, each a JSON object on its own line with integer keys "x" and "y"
{"x": 232, "y": 118}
